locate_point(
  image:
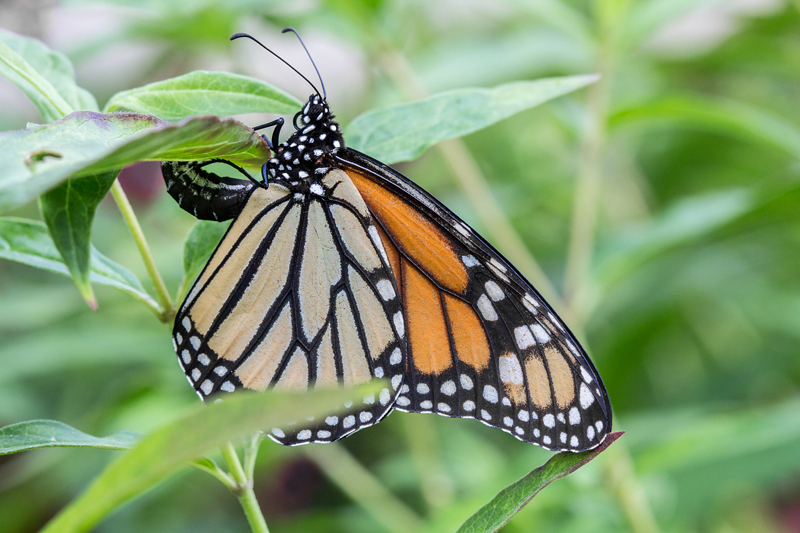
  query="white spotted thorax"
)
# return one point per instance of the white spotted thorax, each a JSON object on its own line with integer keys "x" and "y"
{"x": 300, "y": 162}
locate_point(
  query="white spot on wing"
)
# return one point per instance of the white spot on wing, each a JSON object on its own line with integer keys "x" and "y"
{"x": 384, "y": 397}
{"x": 206, "y": 387}
{"x": 494, "y": 291}
{"x": 304, "y": 435}
{"x": 423, "y": 388}
{"x": 386, "y": 289}
{"x": 469, "y": 406}
{"x": 348, "y": 421}
{"x": 574, "y": 416}
{"x": 448, "y": 388}
{"x": 227, "y": 387}
{"x": 549, "y": 420}
{"x": 399, "y": 325}
{"x": 523, "y": 336}
{"x": 427, "y": 404}
{"x": 486, "y": 308}
{"x": 443, "y": 407}
{"x": 523, "y": 415}
{"x": 396, "y": 357}
{"x": 586, "y": 397}
{"x": 470, "y": 261}
{"x": 490, "y": 394}
{"x": 332, "y": 420}
{"x": 540, "y": 333}
{"x": 376, "y": 240}
{"x": 278, "y": 433}
{"x": 186, "y": 323}
{"x": 365, "y": 417}
{"x": 510, "y": 369}
{"x": 203, "y": 358}
{"x": 402, "y": 401}
{"x": 466, "y": 382}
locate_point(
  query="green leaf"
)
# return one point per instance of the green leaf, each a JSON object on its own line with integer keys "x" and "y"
{"x": 403, "y": 132}
{"x": 68, "y": 211}
{"x": 200, "y": 243}
{"x": 28, "y": 242}
{"x": 39, "y": 158}
{"x": 207, "y": 427}
{"x": 725, "y": 116}
{"x": 510, "y": 500}
{"x": 205, "y": 93}
{"x": 35, "y": 434}
{"x": 53, "y": 66}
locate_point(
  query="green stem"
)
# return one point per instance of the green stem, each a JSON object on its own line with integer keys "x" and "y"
{"x": 587, "y": 192}
{"x": 358, "y": 483}
{"x": 244, "y": 490}
{"x": 167, "y": 309}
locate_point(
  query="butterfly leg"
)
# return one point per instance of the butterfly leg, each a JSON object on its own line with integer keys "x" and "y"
{"x": 278, "y": 123}
{"x": 237, "y": 167}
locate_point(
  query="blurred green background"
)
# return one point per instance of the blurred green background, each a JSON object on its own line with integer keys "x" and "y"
{"x": 661, "y": 204}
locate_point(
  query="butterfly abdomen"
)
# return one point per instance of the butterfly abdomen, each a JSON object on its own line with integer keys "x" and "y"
{"x": 203, "y": 194}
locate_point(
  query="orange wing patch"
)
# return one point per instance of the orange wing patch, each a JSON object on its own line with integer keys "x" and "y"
{"x": 469, "y": 336}
{"x": 427, "y": 330}
{"x": 417, "y": 237}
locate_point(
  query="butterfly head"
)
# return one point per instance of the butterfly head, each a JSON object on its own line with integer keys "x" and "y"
{"x": 306, "y": 152}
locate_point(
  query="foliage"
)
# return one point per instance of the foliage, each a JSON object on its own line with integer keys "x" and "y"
{"x": 659, "y": 203}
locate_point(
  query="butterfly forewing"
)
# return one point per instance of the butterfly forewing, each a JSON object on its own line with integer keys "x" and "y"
{"x": 299, "y": 294}
{"x": 482, "y": 343}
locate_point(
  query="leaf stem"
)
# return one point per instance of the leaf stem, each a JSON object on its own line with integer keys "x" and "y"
{"x": 244, "y": 489}
{"x": 167, "y": 308}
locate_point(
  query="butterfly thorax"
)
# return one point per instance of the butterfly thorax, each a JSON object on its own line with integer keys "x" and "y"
{"x": 304, "y": 158}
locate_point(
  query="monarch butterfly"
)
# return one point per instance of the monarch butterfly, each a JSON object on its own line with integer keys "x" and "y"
{"x": 337, "y": 269}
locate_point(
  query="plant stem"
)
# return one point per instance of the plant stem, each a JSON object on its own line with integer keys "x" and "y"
{"x": 358, "y": 483}
{"x": 244, "y": 490}
{"x": 587, "y": 191}
{"x": 167, "y": 309}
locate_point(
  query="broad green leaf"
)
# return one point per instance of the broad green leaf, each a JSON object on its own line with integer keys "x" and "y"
{"x": 207, "y": 427}
{"x": 38, "y": 158}
{"x": 68, "y": 211}
{"x": 205, "y": 93}
{"x": 725, "y": 116}
{"x": 35, "y": 434}
{"x": 27, "y": 241}
{"x": 403, "y": 132}
{"x": 47, "y": 100}
{"x": 55, "y": 68}
{"x": 201, "y": 241}
{"x": 510, "y": 500}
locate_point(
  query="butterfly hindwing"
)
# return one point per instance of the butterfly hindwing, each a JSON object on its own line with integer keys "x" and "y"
{"x": 482, "y": 343}
{"x": 297, "y": 295}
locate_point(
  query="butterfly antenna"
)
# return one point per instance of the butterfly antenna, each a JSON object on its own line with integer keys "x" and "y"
{"x": 325, "y": 94}
{"x": 247, "y": 35}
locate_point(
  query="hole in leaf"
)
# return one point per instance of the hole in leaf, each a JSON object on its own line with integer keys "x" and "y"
{"x": 40, "y": 156}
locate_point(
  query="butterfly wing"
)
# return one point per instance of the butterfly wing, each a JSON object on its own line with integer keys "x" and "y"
{"x": 482, "y": 343}
{"x": 298, "y": 295}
